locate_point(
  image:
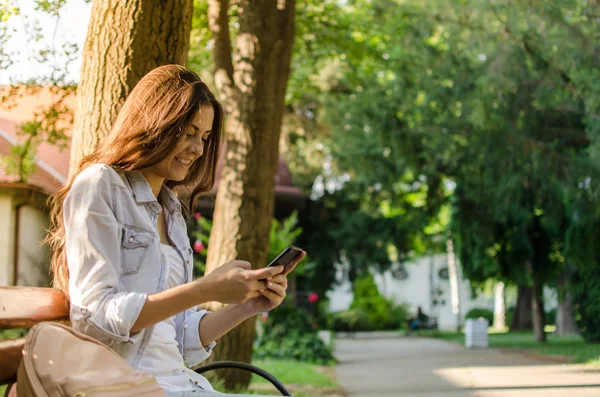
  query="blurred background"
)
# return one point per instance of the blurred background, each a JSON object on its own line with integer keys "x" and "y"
{"x": 437, "y": 160}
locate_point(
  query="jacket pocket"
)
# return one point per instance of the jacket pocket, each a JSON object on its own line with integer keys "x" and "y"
{"x": 135, "y": 244}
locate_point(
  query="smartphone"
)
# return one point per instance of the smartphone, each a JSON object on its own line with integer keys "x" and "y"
{"x": 286, "y": 258}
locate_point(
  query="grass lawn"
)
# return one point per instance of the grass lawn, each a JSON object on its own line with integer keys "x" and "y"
{"x": 572, "y": 347}
{"x": 293, "y": 372}
{"x": 301, "y": 379}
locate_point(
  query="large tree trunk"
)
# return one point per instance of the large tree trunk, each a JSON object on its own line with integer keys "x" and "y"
{"x": 565, "y": 318}
{"x": 523, "y": 317}
{"x": 499, "y": 307}
{"x": 252, "y": 82}
{"x": 125, "y": 40}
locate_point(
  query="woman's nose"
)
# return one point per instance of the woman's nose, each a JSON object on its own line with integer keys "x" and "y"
{"x": 197, "y": 146}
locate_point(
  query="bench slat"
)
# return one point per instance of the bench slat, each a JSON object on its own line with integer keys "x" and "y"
{"x": 10, "y": 358}
{"x": 24, "y": 307}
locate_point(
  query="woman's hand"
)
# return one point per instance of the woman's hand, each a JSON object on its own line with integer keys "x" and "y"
{"x": 275, "y": 291}
{"x": 236, "y": 282}
{"x": 270, "y": 297}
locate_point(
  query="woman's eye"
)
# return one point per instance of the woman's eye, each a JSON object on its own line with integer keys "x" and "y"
{"x": 190, "y": 134}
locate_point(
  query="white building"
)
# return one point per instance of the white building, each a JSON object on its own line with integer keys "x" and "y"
{"x": 425, "y": 283}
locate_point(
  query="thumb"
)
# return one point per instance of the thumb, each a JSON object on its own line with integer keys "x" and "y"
{"x": 265, "y": 272}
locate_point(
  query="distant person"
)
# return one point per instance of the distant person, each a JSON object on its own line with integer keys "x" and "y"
{"x": 418, "y": 322}
{"x": 120, "y": 246}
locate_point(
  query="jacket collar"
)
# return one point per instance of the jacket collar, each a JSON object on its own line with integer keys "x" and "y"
{"x": 142, "y": 192}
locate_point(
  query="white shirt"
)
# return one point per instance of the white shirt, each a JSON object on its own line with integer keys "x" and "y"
{"x": 162, "y": 357}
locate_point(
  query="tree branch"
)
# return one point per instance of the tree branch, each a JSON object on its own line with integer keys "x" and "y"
{"x": 218, "y": 22}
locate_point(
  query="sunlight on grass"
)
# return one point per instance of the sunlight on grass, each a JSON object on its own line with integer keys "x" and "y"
{"x": 289, "y": 373}
{"x": 294, "y": 372}
{"x": 572, "y": 347}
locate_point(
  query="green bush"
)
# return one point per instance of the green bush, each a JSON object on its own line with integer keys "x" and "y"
{"x": 510, "y": 314}
{"x": 586, "y": 299}
{"x": 551, "y": 317}
{"x": 478, "y": 312}
{"x": 398, "y": 317}
{"x": 289, "y": 334}
{"x": 369, "y": 310}
{"x": 368, "y": 299}
{"x": 352, "y": 320}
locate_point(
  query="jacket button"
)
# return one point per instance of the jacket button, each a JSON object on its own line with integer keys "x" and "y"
{"x": 131, "y": 239}
{"x": 185, "y": 326}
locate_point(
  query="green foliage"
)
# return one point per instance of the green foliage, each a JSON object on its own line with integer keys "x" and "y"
{"x": 369, "y": 310}
{"x": 551, "y": 317}
{"x": 293, "y": 372}
{"x": 573, "y": 347}
{"x": 201, "y": 235}
{"x": 289, "y": 334}
{"x": 353, "y": 320}
{"x": 282, "y": 235}
{"x": 478, "y": 312}
{"x": 51, "y": 122}
{"x": 13, "y": 333}
{"x": 586, "y": 299}
{"x": 368, "y": 299}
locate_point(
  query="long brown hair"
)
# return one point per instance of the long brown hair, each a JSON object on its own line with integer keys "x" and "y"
{"x": 155, "y": 116}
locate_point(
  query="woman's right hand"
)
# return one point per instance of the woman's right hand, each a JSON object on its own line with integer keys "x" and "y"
{"x": 236, "y": 281}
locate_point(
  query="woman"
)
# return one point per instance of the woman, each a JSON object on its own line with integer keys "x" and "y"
{"x": 119, "y": 240}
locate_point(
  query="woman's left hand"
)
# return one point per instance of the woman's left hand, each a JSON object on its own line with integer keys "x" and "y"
{"x": 271, "y": 297}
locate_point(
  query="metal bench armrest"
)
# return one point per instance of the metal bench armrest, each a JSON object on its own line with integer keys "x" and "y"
{"x": 247, "y": 367}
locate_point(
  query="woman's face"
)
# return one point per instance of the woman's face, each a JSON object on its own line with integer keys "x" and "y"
{"x": 191, "y": 146}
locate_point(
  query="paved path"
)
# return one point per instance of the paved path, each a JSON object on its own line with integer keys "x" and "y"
{"x": 424, "y": 367}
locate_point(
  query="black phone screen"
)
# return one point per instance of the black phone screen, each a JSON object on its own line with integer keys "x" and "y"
{"x": 286, "y": 257}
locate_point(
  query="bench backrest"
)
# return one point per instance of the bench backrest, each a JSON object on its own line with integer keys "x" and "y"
{"x": 24, "y": 307}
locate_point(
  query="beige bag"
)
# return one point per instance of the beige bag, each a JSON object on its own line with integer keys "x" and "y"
{"x": 61, "y": 362}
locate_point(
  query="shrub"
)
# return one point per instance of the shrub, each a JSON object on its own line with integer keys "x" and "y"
{"x": 352, "y": 320}
{"x": 289, "y": 334}
{"x": 368, "y": 299}
{"x": 586, "y": 299}
{"x": 551, "y": 317}
{"x": 398, "y": 317}
{"x": 478, "y": 312}
{"x": 510, "y": 314}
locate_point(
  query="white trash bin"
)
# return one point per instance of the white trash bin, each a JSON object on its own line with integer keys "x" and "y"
{"x": 476, "y": 333}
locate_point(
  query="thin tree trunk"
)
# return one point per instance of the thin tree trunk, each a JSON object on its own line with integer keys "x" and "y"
{"x": 125, "y": 40}
{"x": 252, "y": 83}
{"x": 499, "y": 307}
{"x": 523, "y": 317}
{"x": 537, "y": 306}
{"x": 454, "y": 287}
{"x": 565, "y": 318}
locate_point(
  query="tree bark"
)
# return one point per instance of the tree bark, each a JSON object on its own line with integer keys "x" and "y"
{"x": 523, "y": 318}
{"x": 125, "y": 40}
{"x": 499, "y": 307}
{"x": 537, "y": 306}
{"x": 565, "y": 318}
{"x": 252, "y": 80}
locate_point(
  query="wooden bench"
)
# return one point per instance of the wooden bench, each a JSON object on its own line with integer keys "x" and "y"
{"x": 24, "y": 307}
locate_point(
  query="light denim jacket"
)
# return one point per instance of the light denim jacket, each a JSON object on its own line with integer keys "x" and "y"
{"x": 114, "y": 259}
